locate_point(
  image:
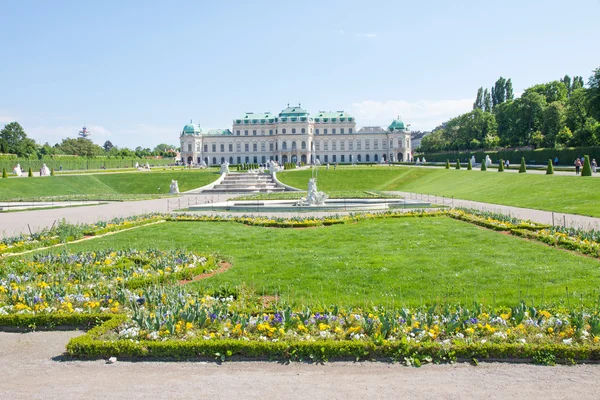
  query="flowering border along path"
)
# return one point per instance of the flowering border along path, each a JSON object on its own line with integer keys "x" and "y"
{"x": 138, "y": 310}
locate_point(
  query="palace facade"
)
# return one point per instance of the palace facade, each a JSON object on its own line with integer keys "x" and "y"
{"x": 295, "y": 136}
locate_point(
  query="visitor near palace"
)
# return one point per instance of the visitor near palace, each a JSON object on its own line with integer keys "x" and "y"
{"x": 577, "y": 165}
{"x": 594, "y": 165}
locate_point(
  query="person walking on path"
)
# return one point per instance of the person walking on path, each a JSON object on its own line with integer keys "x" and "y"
{"x": 577, "y": 165}
{"x": 594, "y": 165}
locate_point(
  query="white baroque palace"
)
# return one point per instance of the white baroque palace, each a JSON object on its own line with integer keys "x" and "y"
{"x": 296, "y": 136}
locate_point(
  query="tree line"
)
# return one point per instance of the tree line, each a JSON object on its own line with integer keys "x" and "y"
{"x": 561, "y": 113}
{"x": 14, "y": 140}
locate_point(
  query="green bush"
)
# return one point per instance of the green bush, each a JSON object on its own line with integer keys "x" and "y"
{"x": 457, "y": 164}
{"x": 447, "y": 164}
{"x": 4, "y": 174}
{"x": 550, "y": 169}
{"x": 52, "y": 171}
{"x": 587, "y": 169}
{"x": 522, "y": 168}
{"x": 483, "y": 166}
{"x": 30, "y": 173}
{"x": 469, "y": 165}
{"x": 501, "y": 166}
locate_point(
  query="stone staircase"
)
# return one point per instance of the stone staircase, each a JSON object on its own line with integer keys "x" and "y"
{"x": 246, "y": 183}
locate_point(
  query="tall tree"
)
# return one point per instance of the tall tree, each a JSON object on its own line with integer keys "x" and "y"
{"x": 500, "y": 90}
{"x": 554, "y": 121}
{"x": 509, "y": 90}
{"x": 577, "y": 109}
{"x": 567, "y": 81}
{"x": 494, "y": 98}
{"x": 593, "y": 94}
{"x": 479, "y": 99}
{"x": 577, "y": 83}
{"x": 80, "y": 147}
{"x": 14, "y": 140}
{"x": 487, "y": 101}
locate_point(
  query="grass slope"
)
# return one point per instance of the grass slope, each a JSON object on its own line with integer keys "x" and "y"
{"x": 568, "y": 194}
{"x": 400, "y": 261}
{"x": 122, "y": 183}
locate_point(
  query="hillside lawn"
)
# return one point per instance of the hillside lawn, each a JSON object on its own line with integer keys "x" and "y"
{"x": 152, "y": 182}
{"x": 407, "y": 261}
{"x": 559, "y": 193}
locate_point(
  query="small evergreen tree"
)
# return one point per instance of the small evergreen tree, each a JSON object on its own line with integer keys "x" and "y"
{"x": 457, "y": 163}
{"x": 4, "y": 174}
{"x": 469, "y": 165}
{"x": 501, "y": 166}
{"x": 522, "y": 168}
{"x": 52, "y": 171}
{"x": 30, "y": 173}
{"x": 550, "y": 169}
{"x": 587, "y": 168}
{"x": 483, "y": 166}
{"x": 447, "y": 164}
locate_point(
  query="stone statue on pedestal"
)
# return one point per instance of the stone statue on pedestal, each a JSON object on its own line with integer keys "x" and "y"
{"x": 174, "y": 189}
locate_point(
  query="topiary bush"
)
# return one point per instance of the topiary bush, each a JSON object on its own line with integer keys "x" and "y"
{"x": 522, "y": 168}
{"x": 4, "y": 174}
{"x": 550, "y": 169}
{"x": 483, "y": 166}
{"x": 501, "y": 166}
{"x": 587, "y": 168}
{"x": 457, "y": 164}
{"x": 469, "y": 165}
{"x": 30, "y": 173}
{"x": 52, "y": 171}
{"x": 447, "y": 164}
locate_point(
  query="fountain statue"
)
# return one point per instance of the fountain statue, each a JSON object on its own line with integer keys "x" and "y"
{"x": 147, "y": 166}
{"x": 202, "y": 164}
{"x": 488, "y": 161}
{"x": 313, "y": 197}
{"x": 225, "y": 168}
{"x": 472, "y": 160}
{"x": 274, "y": 167}
{"x": 44, "y": 171}
{"x": 17, "y": 170}
{"x": 174, "y": 189}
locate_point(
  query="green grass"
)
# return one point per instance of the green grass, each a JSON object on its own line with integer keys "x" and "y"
{"x": 559, "y": 193}
{"x": 105, "y": 184}
{"x": 402, "y": 261}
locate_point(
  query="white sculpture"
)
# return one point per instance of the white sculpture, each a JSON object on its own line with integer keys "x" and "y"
{"x": 147, "y": 166}
{"x": 44, "y": 171}
{"x": 137, "y": 165}
{"x": 472, "y": 160}
{"x": 488, "y": 161}
{"x": 225, "y": 168}
{"x": 317, "y": 162}
{"x": 418, "y": 162}
{"x": 424, "y": 160}
{"x": 17, "y": 170}
{"x": 174, "y": 189}
{"x": 327, "y": 165}
{"x": 314, "y": 197}
{"x": 274, "y": 167}
{"x": 202, "y": 164}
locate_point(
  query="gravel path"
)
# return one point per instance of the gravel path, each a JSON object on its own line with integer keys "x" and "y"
{"x": 31, "y": 369}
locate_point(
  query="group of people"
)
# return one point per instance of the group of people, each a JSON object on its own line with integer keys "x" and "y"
{"x": 580, "y": 161}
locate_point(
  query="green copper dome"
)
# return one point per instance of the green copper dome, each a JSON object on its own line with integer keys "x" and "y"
{"x": 397, "y": 125}
{"x": 191, "y": 129}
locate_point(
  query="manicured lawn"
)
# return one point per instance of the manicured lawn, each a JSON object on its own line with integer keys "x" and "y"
{"x": 567, "y": 194}
{"x": 119, "y": 183}
{"x": 390, "y": 262}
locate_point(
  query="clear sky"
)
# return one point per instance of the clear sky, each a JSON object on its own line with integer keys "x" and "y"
{"x": 136, "y": 71}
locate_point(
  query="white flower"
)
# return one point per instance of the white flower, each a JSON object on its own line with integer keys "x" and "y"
{"x": 568, "y": 341}
{"x": 522, "y": 341}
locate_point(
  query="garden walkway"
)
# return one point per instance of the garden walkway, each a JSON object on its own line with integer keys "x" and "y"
{"x": 32, "y": 368}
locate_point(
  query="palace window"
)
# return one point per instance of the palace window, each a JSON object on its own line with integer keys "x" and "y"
{"x": 334, "y": 158}
{"x": 293, "y": 130}
{"x": 342, "y": 145}
{"x": 270, "y": 146}
{"x": 303, "y": 130}
{"x": 198, "y": 147}
{"x": 254, "y": 147}
{"x": 214, "y": 160}
{"x": 367, "y": 144}
{"x": 255, "y": 159}
{"x": 246, "y": 147}
{"x": 222, "y": 147}
{"x": 254, "y": 132}
{"x": 189, "y": 147}
{"x": 342, "y": 132}
{"x": 231, "y": 148}
{"x": 324, "y": 131}
{"x": 317, "y": 146}
{"x": 246, "y": 159}
{"x": 262, "y": 146}
{"x": 293, "y": 145}
{"x": 284, "y": 146}
{"x": 239, "y": 160}
{"x": 206, "y": 148}
{"x": 271, "y": 132}
{"x": 358, "y": 144}
{"x": 333, "y": 131}
{"x": 316, "y": 131}
{"x": 349, "y": 130}
{"x": 283, "y": 131}
{"x": 351, "y": 145}
{"x": 263, "y": 159}
{"x": 376, "y": 144}
{"x": 343, "y": 158}
{"x": 214, "y": 148}
{"x": 326, "y": 145}
{"x": 334, "y": 145}
{"x": 237, "y": 132}
{"x": 303, "y": 145}
{"x": 326, "y": 158}
{"x": 246, "y": 132}
{"x": 238, "y": 147}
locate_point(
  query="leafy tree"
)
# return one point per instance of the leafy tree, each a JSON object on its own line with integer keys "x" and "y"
{"x": 567, "y": 81}
{"x": 576, "y": 112}
{"x": 564, "y": 137}
{"x": 577, "y": 83}
{"x": 494, "y": 99}
{"x": 509, "y": 90}
{"x": 552, "y": 91}
{"x": 479, "y": 99}
{"x": 594, "y": 94}
{"x": 107, "y": 146}
{"x": 14, "y": 140}
{"x": 487, "y": 101}
{"x": 80, "y": 147}
{"x": 163, "y": 148}
{"x": 588, "y": 135}
{"x": 554, "y": 121}
{"x": 537, "y": 139}
{"x": 500, "y": 90}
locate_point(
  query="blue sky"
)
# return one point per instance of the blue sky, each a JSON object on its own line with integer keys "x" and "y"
{"x": 136, "y": 71}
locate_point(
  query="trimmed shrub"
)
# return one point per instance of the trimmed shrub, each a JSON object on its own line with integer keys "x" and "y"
{"x": 4, "y": 174}
{"x": 447, "y": 164}
{"x": 457, "y": 164}
{"x": 522, "y": 168}
{"x": 587, "y": 168}
{"x": 30, "y": 173}
{"x": 501, "y": 166}
{"x": 550, "y": 169}
{"x": 469, "y": 165}
{"x": 483, "y": 166}
{"x": 52, "y": 171}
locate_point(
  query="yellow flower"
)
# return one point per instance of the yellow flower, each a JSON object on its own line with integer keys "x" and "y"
{"x": 550, "y": 330}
